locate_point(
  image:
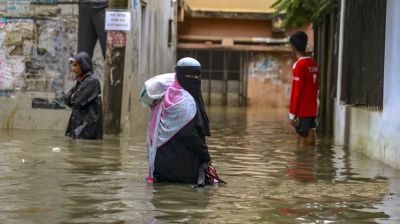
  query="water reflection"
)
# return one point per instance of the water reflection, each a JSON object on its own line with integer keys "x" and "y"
{"x": 187, "y": 206}
{"x": 269, "y": 180}
{"x": 96, "y": 168}
{"x": 301, "y": 168}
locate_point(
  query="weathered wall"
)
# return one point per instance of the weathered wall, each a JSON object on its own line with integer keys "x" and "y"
{"x": 36, "y": 43}
{"x": 362, "y": 132}
{"x": 390, "y": 125}
{"x": 269, "y": 79}
{"x": 375, "y": 133}
{"x": 150, "y": 54}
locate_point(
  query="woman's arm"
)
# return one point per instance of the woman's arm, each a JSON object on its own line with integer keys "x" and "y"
{"x": 85, "y": 93}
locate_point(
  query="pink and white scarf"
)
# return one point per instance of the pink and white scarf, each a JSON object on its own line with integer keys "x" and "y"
{"x": 171, "y": 108}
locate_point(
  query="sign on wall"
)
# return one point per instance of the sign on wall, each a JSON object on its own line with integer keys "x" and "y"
{"x": 18, "y": 7}
{"x": 118, "y": 20}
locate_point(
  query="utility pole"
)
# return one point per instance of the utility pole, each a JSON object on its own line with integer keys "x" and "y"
{"x": 114, "y": 71}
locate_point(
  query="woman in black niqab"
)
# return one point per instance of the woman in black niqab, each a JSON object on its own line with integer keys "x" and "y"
{"x": 189, "y": 78}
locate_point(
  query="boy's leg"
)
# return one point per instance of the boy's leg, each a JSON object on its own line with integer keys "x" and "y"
{"x": 311, "y": 137}
{"x": 300, "y": 142}
{"x": 305, "y": 132}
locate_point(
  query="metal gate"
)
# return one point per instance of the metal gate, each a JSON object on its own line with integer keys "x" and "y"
{"x": 222, "y": 72}
{"x": 363, "y": 53}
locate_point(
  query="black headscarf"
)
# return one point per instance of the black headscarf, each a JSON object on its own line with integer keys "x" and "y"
{"x": 84, "y": 60}
{"x": 193, "y": 86}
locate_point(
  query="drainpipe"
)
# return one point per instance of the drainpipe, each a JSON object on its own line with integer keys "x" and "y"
{"x": 340, "y": 52}
{"x": 340, "y": 126}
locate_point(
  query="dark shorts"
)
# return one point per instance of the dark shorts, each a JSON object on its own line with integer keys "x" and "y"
{"x": 304, "y": 125}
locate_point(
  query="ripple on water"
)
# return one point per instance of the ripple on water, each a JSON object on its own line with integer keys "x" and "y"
{"x": 269, "y": 181}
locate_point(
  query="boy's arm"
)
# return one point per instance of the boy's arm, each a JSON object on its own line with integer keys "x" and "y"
{"x": 296, "y": 93}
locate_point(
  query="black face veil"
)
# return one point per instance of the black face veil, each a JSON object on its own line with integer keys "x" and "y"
{"x": 193, "y": 86}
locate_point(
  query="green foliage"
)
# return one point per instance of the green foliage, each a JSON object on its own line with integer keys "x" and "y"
{"x": 301, "y": 12}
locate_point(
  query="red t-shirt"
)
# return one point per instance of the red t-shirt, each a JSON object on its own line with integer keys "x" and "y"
{"x": 304, "y": 93}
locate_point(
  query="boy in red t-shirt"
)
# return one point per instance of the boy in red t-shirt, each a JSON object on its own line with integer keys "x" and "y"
{"x": 304, "y": 93}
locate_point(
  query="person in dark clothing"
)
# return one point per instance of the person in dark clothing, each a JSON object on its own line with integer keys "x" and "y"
{"x": 178, "y": 126}
{"x": 86, "y": 121}
{"x": 91, "y": 26}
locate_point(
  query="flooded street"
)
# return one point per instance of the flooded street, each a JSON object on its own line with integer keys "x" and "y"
{"x": 48, "y": 178}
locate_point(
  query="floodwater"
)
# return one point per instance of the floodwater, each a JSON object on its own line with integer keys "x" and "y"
{"x": 48, "y": 178}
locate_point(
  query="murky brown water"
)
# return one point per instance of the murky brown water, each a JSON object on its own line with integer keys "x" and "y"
{"x": 254, "y": 151}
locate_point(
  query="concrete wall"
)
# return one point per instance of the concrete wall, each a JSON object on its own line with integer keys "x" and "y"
{"x": 36, "y": 43}
{"x": 150, "y": 54}
{"x": 390, "y": 125}
{"x": 269, "y": 79}
{"x": 375, "y": 133}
